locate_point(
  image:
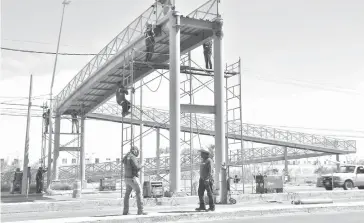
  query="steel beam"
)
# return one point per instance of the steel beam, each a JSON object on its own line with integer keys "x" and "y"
{"x": 196, "y": 23}
{"x": 202, "y": 109}
{"x": 70, "y": 149}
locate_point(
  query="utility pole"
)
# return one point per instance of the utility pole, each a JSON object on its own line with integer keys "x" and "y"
{"x": 50, "y": 131}
{"x": 24, "y": 188}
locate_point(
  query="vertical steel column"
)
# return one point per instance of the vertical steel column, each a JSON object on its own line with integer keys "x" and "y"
{"x": 122, "y": 156}
{"x": 219, "y": 106}
{"x": 285, "y": 163}
{"x": 338, "y": 162}
{"x": 227, "y": 120}
{"x": 82, "y": 153}
{"x": 57, "y": 135}
{"x": 174, "y": 100}
{"x": 141, "y": 134}
{"x": 158, "y": 155}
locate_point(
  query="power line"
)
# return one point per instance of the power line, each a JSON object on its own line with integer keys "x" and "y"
{"x": 2, "y": 103}
{"x": 49, "y": 53}
{"x": 304, "y": 84}
{"x": 37, "y": 42}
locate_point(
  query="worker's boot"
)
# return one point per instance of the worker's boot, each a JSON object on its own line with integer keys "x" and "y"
{"x": 142, "y": 213}
{"x": 201, "y": 208}
{"x": 211, "y": 208}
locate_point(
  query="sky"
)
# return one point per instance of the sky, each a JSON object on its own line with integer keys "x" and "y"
{"x": 302, "y": 64}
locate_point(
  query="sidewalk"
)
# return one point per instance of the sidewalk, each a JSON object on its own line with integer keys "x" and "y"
{"x": 186, "y": 213}
{"x": 20, "y": 204}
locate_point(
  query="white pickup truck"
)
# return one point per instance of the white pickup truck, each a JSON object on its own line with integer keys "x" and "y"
{"x": 347, "y": 177}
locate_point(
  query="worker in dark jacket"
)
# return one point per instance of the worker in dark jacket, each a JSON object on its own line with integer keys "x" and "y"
{"x": 131, "y": 174}
{"x": 207, "y": 52}
{"x": 206, "y": 181}
{"x": 149, "y": 42}
{"x": 121, "y": 92}
{"x": 39, "y": 179}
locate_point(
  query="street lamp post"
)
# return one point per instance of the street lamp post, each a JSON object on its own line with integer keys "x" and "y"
{"x": 49, "y": 173}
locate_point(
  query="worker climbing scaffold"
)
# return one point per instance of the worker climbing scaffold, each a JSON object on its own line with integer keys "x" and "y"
{"x": 121, "y": 91}
{"x": 46, "y": 120}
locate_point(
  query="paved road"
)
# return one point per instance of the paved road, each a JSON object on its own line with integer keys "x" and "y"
{"x": 329, "y": 217}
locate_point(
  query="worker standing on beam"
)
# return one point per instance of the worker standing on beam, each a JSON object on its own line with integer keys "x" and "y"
{"x": 75, "y": 121}
{"x": 206, "y": 181}
{"x": 207, "y": 52}
{"x": 149, "y": 42}
{"x": 131, "y": 174}
{"x": 121, "y": 91}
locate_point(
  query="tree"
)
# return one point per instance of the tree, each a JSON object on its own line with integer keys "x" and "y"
{"x": 361, "y": 162}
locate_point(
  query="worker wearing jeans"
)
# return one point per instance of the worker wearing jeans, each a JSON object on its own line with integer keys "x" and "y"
{"x": 206, "y": 181}
{"x": 131, "y": 168}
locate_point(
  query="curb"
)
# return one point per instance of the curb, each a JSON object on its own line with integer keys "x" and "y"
{"x": 231, "y": 213}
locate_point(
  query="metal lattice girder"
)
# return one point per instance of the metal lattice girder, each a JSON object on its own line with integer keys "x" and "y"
{"x": 251, "y": 155}
{"x": 101, "y": 75}
{"x": 158, "y": 118}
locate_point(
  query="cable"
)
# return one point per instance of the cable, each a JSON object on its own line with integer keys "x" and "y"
{"x": 50, "y": 53}
{"x": 160, "y": 81}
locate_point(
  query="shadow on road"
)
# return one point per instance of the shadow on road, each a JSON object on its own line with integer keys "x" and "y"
{"x": 178, "y": 212}
{"x": 21, "y": 199}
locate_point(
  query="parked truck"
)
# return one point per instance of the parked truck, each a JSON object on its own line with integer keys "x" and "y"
{"x": 347, "y": 177}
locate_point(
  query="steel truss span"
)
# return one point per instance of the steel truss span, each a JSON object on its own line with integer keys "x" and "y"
{"x": 158, "y": 118}
{"x": 252, "y": 155}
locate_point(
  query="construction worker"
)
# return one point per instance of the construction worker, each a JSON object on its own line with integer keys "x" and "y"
{"x": 149, "y": 42}
{"x": 46, "y": 120}
{"x": 75, "y": 123}
{"x": 131, "y": 174}
{"x": 39, "y": 179}
{"x": 121, "y": 91}
{"x": 206, "y": 181}
{"x": 207, "y": 52}
{"x": 166, "y": 4}
{"x": 17, "y": 181}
